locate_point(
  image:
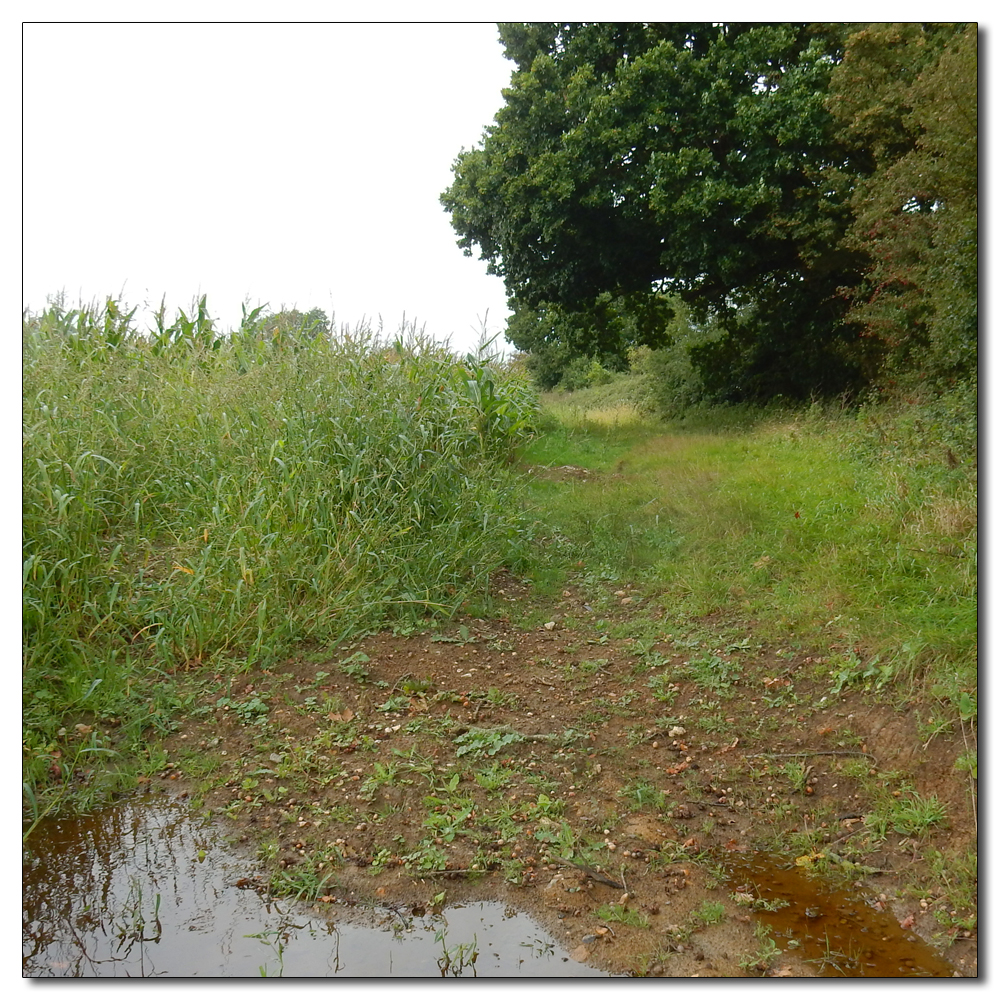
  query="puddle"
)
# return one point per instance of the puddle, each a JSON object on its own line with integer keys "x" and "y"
{"x": 840, "y": 934}
{"x": 142, "y": 890}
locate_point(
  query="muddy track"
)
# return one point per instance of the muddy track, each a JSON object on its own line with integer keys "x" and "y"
{"x": 613, "y": 785}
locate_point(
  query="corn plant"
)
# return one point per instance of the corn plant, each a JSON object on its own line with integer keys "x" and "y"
{"x": 189, "y": 493}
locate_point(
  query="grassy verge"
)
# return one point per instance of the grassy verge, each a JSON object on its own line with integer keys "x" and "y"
{"x": 190, "y": 497}
{"x": 857, "y": 530}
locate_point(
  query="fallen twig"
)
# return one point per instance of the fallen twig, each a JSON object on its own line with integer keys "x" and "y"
{"x": 818, "y": 753}
{"x": 589, "y": 872}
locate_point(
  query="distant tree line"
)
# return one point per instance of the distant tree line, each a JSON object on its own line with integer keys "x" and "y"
{"x": 803, "y": 195}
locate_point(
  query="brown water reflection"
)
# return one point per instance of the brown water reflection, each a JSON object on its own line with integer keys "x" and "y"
{"x": 143, "y": 890}
{"x": 839, "y": 932}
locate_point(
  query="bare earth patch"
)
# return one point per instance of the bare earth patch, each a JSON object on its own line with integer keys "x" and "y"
{"x": 609, "y": 787}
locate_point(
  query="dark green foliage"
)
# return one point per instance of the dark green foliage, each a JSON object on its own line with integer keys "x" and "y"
{"x": 717, "y": 162}
{"x": 907, "y": 93}
{"x": 632, "y": 159}
{"x": 292, "y": 325}
{"x": 561, "y": 340}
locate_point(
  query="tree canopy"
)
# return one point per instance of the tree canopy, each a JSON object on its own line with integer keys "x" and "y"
{"x": 632, "y": 161}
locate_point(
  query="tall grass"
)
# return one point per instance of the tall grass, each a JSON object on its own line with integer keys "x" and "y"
{"x": 190, "y": 494}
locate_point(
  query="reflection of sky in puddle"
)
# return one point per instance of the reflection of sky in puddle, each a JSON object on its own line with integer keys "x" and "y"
{"x": 139, "y": 890}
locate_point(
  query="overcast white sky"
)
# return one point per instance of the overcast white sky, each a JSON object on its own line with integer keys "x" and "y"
{"x": 296, "y": 165}
{"x": 292, "y": 164}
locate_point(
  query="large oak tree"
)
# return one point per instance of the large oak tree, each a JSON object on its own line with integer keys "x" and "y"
{"x": 633, "y": 160}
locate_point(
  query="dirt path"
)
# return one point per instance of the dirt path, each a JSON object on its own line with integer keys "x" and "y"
{"x": 613, "y": 780}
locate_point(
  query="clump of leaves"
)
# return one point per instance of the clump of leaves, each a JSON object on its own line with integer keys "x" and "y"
{"x": 485, "y": 741}
{"x": 645, "y": 795}
{"x": 396, "y": 703}
{"x": 543, "y": 806}
{"x": 713, "y": 672}
{"x": 710, "y": 912}
{"x": 663, "y": 688}
{"x": 849, "y": 670}
{"x": 426, "y": 858}
{"x": 767, "y": 951}
{"x": 254, "y": 710}
{"x": 354, "y": 667}
{"x": 494, "y": 777}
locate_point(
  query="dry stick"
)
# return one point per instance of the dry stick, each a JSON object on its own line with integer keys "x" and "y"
{"x": 850, "y": 833}
{"x": 972, "y": 781}
{"x": 819, "y": 753}
{"x": 589, "y": 872}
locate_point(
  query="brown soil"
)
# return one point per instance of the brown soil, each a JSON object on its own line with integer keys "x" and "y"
{"x": 609, "y": 788}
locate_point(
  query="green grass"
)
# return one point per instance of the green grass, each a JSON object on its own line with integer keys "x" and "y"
{"x": 189, "y": 495}
{"x": 196, "y": 499}
{"x": 908, "y": 813}
{"x": 845, "y": 529}
{"x": 620, "y": 914}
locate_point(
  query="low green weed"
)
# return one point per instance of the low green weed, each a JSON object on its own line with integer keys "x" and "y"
{"x": 249, "y": 712}
{"x": 494, "y": 778}
{"x": 710, "y": 912}
{"x": 397, "y": 703}
{"x": 620, "y": 914}
{"x": 543, "y": 806}
{"x": 767, "y": 951}
{"x": 450, "y": 821}
{"x": 645, "y": 795}
{"x": 797, "y": 773}
{"x": 428, "y": 857}
{"x": 969, "y": 762}
{"x": 382, "y": 775}
{"x": 488, "y": 742}
{"x": 496, "y": 698}
{"x": 958, "y": 873}
{"x": 558, "y": 836}
{"x": 712, "y": 672}
{"x": 307, "y": 880}
{"x": 354, "y": 667}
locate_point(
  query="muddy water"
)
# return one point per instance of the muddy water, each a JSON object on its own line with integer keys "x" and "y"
{"x": 838, "y": 933}
{"x": 143, "y": 890}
